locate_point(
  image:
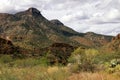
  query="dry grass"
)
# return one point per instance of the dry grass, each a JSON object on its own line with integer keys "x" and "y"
{"x": 33, "y": 73}
{"x": 94, "y": 76}
{"x": 52, "y": 69}
{"x": 52, "y": 73}
{"x": 32, "y": 69}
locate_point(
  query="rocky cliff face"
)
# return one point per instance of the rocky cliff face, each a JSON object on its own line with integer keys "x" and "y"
{"x": 116, "y": 38}
{"x": 114, "y": 45}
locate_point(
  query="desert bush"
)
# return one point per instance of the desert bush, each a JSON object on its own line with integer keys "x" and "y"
{"x": 5, "y": 59}
{"x": 112, "y": 66}
{"x": 30, "y": 62}
{"x": 18, "y": 55}
{"x": 104, "y": 57}
{"x": 106, "y": 61}
{"x": 113, "y": 70}
{"x": 83, "y": 60}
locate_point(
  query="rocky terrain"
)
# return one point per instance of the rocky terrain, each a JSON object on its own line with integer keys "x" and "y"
{"x": 114, "y": 45}
{"x": 6, "y": 47}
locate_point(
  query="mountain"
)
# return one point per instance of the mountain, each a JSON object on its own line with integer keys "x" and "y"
{"x": 91, "y": 39}
{"x": 29, "y": 29}
{"x": 114, "y": 45}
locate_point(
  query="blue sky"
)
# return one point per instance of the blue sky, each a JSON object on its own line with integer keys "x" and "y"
{"x": 100, "y": 16}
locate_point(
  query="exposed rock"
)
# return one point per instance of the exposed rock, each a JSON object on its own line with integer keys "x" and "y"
{"x": 116, "y": 38}
{"x": 6, "y": 47}
{"x": 33, "y": 10}
{"x": 114, "y": 45}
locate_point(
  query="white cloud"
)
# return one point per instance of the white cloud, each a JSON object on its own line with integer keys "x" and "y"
{"x": 114, "y": 14}
{"x": 101, "y": 16}
{"x": 75, "y": 16}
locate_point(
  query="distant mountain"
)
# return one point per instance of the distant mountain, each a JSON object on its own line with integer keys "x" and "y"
{"x": 29, "y": 29}
{"x": 91, "y": 39}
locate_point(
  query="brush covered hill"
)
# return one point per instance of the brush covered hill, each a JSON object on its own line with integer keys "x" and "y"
{"x": 91, "y": 39}
{"x": 57, "y": 52}
{"x": 114, "y": 45}
{"x": 29, "y": 29}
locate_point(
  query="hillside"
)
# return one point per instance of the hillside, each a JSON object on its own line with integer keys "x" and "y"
{"x": 6, "y": 47}
{"x": 29, "y": 29}
{"x": 91, "y": 39}
{"x": 114, "y": 45}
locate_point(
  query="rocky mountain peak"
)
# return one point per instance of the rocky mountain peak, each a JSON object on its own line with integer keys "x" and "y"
{"x": 33, "y": 11}
{"x": 29, "y": 12}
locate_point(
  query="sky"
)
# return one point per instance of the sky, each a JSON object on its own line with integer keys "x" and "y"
{"x": 99, "y": 16}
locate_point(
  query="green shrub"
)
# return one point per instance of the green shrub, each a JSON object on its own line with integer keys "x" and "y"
{"x": 102, "y": 58}
{"x": 5, "y": 59}
{"x": 30, "y": 62}
{"x": 84, "y": 59}
{"x": 43, "y": 61}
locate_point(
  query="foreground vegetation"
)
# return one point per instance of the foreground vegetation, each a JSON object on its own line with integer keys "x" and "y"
{"x": 83, "y": 64}
{"x": 52, "y": 73}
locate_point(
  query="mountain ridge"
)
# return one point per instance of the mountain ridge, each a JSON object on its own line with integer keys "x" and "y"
{"x": 30, "y": 29}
